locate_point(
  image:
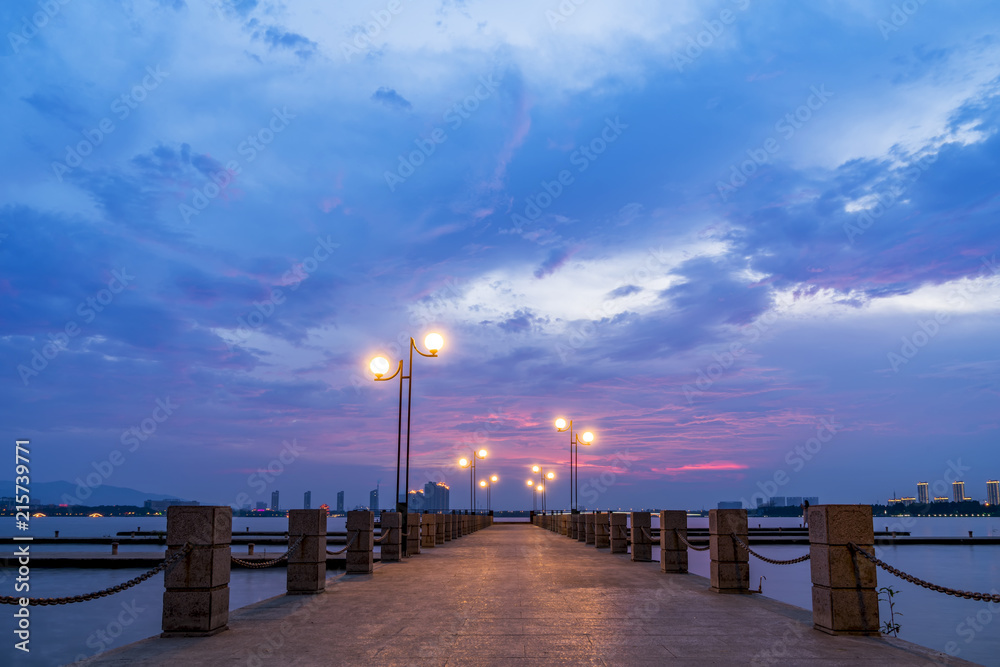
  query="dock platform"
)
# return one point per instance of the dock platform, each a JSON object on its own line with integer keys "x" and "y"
{"x": 515, "y": 594}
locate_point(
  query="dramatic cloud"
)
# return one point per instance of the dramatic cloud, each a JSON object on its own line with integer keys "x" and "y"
{"x": 709, "y": 251}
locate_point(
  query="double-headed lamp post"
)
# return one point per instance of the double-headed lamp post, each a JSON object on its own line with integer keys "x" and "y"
{"x": 471, "y": 464}
{"x": 489, "y": 485}
{"x": 542, "y": 475}
{"x": 575, "y": 440}
{"x": 379, "y": 367}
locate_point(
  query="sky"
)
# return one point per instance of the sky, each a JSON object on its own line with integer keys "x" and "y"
{"x": 751, "y": 246}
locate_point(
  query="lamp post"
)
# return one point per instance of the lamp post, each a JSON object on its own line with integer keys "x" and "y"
{"x": 534, "y": 496}
{"x": 471, "y": 464}
{"x": 542, "y": 475}
{"x": 574, "y": 461}
{"x": 379, "y": 366}
{"x": 488, "y": 485}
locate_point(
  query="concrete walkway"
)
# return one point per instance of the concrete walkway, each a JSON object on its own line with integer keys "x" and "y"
{"x": 518, "y": 594}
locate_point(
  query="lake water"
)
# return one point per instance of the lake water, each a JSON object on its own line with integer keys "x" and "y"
{"x": 66, "y": 633}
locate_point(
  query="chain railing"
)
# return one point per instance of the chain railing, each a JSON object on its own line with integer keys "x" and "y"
{"x": 772, "y": 561}
{"x": 968, "y": 595}
{"x": 385, "y": 534}
{"x": 346, "y": 546}
{"x": 107, "y": 591}
{"x": 688, "y": 544}
{"x": 268, "y": 563}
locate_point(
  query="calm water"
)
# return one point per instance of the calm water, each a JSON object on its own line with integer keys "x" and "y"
{"x": 66, "y": 633}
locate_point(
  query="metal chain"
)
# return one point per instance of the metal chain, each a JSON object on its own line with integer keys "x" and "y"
{"x": 968, "y": 595}
{"x": 385, "y": 534}
{"x": 772, "y": 561}
{"x": 107, "y": 591}
{"x": 346, "y": 547}
{"x": 268, "y": 563}
{"x": 689, "y": 545}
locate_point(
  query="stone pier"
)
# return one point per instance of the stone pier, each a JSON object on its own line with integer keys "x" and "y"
{"x": 673, "y": 551}
{"x": 618, "y": 536}
{"x": 361, "y": 542}
{"x": 642, "y": 538}
{"x": 307, "y": 563}
{"x": 196, "y": 599}
{"x": 730, "y": 569}
{"x": 844, "y": 596}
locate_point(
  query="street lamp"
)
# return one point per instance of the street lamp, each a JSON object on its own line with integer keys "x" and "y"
{"x": 379, "y": 366}
{"x": 534, "y": 496}
{"x": 489, "y": 485}
{"x": 471, "y": 464}
{"x": 575, "y": 440}
{"x": 542, "y": 475}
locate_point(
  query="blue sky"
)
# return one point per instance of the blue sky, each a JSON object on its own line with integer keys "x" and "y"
{"x": 752, "y": 246}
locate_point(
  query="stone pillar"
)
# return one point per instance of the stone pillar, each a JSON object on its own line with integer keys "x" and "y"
{"x": 452, "y": 528}
{"x": 602, "y": 538}
{"x": 572, "y": 526}
{"x": 588, "y": 527}
{"x": 642, "y": 540}
{"x": 845, "y": 600}
{"x": 391, "y": 546}
{"x": 439, "y": 520}
{"x": 307, "y": 563}
{"x": 619, "y": 532}
{"x": 673, "y": 552}
{"x": 196, "y": 595}
{"x": 581, "y": 527}
{"x": 564, "y": 524}
{"x": 412, "y": 533}
{"x": 360, "y": 552}
{"x": 730, "y": 569}
{"x": 428, "y": 530}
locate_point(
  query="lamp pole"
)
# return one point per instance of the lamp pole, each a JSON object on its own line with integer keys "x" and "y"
{"x": 471, "y": 464}
{"x": 574, "y": 459}
{"x": 379, "y": 367}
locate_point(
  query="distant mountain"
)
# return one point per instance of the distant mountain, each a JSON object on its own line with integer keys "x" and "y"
{"x": 59, "y": 493}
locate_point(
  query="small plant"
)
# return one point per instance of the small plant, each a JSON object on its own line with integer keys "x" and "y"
{"x": 891, "y": 627}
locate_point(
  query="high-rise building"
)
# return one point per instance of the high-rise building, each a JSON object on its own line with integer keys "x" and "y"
{"x": 793, "y": 501}
{"x": 993, "y": 492}
{"x": 307, "y": 500}
{"x": 437, "y": 497}
{"x": 923, "y": 495}
{"x": 340, "y": 502}
{"x": 274, "y": 501}
{"x": 373, "y": 500}
{"x": 957, "y": 491}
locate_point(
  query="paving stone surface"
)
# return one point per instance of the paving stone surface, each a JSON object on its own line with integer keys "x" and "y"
{"x": 515, "y": 594}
